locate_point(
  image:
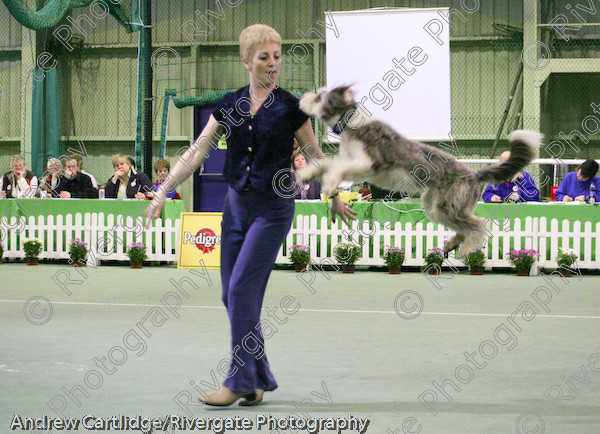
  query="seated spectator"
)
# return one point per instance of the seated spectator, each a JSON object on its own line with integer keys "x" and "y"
{"x": 19, "y": 182}
{"x": 79, "y": 160}
{"x": 162, "y": 168}
{"x": 311, "y": 190}
{"x": 126, "y": 181}
{"x": 51, "y": 177}
{"x": 576, "y": 185}
{"x": 520, "y": 188}
{"x": 74, "y": 183}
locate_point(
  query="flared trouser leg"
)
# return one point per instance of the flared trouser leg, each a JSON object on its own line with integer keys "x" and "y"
{"x": 253, "y": 231}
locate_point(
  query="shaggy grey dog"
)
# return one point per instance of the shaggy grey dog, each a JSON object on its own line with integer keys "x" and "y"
{"x": 372, "y": 151}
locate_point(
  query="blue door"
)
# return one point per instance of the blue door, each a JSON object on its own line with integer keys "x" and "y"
{"x": 209, "y": 186}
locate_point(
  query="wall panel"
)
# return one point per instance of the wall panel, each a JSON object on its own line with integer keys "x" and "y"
{"x": 10, "y": 95}
{"x": 101, "y": 89}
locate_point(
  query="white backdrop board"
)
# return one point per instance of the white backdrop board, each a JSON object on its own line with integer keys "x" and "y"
{"x": 398, "y": 62}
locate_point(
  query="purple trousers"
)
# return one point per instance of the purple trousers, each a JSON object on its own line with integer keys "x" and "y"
{"x": 253, "y": 229}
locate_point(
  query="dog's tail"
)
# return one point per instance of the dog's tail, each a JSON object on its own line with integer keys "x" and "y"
{"x": 524, "y": 145}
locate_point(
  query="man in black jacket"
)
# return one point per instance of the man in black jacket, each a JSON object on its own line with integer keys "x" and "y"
{"x": 75, "y": 184}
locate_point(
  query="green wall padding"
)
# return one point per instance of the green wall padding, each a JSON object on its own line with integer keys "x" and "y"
{"x": 139, "y": 129}
{"x": 214, "y": 97}
{"x": 51, "y": 115}
{"x": 169, "y": 94}
{"x": 54, "y": 10}
{"x": 37, "y": 124}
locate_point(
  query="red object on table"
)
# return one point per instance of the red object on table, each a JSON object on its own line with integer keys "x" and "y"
{"x": 553, "y": 192}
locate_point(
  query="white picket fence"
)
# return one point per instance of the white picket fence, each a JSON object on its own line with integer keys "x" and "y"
{"x": 107, "y": 236}
{"x": 503, "y": 236}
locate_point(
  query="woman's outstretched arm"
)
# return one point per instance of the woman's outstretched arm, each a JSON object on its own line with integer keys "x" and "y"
{"x": 189, "y": 161}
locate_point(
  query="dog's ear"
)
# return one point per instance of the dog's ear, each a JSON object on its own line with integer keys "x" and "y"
{"x": 347, "y": 95}
{"x": 341, "y": 96}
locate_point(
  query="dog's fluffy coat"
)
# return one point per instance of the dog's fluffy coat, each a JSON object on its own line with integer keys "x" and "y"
{"x": 372, "y": 151}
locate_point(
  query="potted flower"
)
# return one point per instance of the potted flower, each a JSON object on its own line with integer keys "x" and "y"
{"x": 78, "y": 252}
{"x": 475, "y": 261}
{"x": 300, "y": 257}
{"x": 434, "y": 260}
{"x": 523, "y": 260}
{"x": 347, "y": 254}
{"x": 137, "y": 254}
{"x": 32, "y": 248}
{"x": 565, "y": 259}
{"x": 394, "y": 258}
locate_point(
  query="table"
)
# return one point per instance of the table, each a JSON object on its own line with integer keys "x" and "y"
{"x": 544, "y": 226}
{"x": 413, "y": 211}
{"x": 126, "y": 207}
{"x": 107, "y": 225}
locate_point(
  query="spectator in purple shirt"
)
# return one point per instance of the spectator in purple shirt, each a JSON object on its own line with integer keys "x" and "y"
{"x": 576, "y": 186}
{"x": 521, "y": 188}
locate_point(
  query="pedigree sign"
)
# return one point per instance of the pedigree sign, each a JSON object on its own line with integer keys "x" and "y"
{"x": 200, "y": 239}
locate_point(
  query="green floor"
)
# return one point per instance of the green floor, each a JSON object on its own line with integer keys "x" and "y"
{"x": 347, "y": 350}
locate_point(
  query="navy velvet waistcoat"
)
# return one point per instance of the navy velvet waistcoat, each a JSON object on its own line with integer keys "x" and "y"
{"x": 259, "y": 146}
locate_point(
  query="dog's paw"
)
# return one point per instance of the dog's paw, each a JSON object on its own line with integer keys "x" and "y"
{"x": 467, "y": 247}
{"x": 463, "y": 252}
{"x": 448, "y": 246}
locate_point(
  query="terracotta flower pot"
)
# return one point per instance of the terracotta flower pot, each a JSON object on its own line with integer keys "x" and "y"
{"x": 300, "y": 268}
{"x": 523, "y": 271}
{"x": 78, "y": 264}
{"x": 136, "y": 264}
{"x": 565, "y": 272}
{"x": 32, "y": 261}
{"x": 477, "y": 270}
{"x": 433, "y": 271}
{"x": 0, "y": 260}
{"x": 394, "y": 270}
{"x": 348, "y": 268}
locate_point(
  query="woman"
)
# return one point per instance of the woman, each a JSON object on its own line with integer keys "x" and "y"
{"x": 19, "y": 182}
{"x": 127, "y": 182}
{"x": 309, "y": 190}
{"x": 52, "y": 177}
{"x": 161, "y": 168}
{"x": 260, "y": 121}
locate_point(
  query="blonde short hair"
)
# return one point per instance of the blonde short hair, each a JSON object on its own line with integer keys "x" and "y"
{"x": 254, "y": 36}
{"x": 55, "y": 162}
{"x": 120, "y": 158}
{"x": 17, "y": 158}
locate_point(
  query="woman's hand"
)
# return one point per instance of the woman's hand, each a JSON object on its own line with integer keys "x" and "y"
{"x": 338, "y": 206}
{"x": 155, "y": 208}
{"x": 119, "y": 173}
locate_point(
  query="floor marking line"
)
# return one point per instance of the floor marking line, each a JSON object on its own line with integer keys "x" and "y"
{"x": 83, "y": 303}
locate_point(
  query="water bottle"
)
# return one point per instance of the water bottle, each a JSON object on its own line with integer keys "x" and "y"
{"x": 592, "y": 198}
